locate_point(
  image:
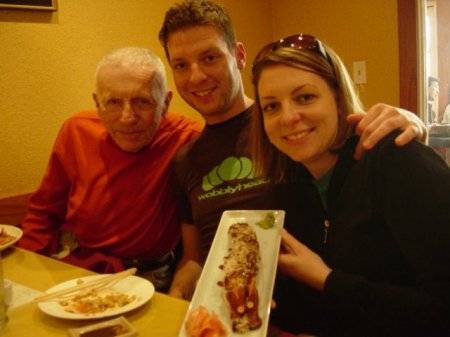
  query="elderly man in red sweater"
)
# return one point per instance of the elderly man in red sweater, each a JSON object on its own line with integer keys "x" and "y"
{"x": 108, "y": 178}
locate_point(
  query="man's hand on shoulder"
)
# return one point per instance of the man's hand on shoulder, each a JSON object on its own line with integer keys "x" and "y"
{"x": 380, "y": 120}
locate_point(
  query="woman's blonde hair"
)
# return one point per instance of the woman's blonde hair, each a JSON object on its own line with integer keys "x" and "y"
{"x": 268, "y": 160}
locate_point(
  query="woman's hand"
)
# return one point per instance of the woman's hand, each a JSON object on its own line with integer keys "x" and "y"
{"x": 301, "y": 263}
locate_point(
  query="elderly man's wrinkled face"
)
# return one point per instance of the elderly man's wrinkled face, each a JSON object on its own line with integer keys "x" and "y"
{"x": 127, "y": 107}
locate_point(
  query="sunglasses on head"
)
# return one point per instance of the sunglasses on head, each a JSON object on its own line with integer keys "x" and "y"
{"x": 297, "y": 41}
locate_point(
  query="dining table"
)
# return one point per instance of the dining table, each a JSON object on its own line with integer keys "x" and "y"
{"x": 161, "y": 316}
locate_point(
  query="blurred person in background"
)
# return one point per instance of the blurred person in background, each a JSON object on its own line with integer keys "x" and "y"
{"x": 433, "y": 99}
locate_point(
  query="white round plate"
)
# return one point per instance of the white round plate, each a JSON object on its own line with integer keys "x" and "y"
{"x": 130, "y": 285}
{"x": 11, "y": 230}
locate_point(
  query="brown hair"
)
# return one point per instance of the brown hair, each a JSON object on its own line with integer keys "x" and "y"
{"x": 268, "y": 160}
{"x": 193, "y": 13}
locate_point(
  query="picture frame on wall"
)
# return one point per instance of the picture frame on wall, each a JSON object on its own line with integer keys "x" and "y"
{"x": 47, "y": 5}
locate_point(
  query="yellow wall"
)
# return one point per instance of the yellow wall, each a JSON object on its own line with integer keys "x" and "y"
{"x": 47, "y": 60}
{"x": 359, "y": 30}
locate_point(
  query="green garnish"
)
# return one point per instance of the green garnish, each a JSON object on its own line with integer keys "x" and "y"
{"x": 268, "y": 221}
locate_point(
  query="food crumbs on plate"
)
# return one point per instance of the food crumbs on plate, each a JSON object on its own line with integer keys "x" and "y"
{"x": 5, "y": 237}
{"x": 268, "y": 221}
{"x": 201, "y": 323}
{"x": 94, "y": 301}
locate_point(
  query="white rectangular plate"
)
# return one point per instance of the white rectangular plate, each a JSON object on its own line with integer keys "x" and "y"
{"x": 209, "y": 294}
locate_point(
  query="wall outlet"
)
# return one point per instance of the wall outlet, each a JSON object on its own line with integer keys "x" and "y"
{"x": 359, "y": 72}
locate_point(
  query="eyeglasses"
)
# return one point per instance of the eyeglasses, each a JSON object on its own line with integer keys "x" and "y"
{"x": 297, "y": 41}
{"x": 137, "y": 104}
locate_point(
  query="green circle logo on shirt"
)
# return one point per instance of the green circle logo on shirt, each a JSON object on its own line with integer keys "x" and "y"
{"x": 230, "y": 169}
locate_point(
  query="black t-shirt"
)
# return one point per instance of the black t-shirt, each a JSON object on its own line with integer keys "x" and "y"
{"x": 215, "y": 174}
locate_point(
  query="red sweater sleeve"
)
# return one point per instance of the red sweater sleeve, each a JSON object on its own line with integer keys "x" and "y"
{"x": 47, "y": 205}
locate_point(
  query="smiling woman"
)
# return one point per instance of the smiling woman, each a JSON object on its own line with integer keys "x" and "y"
{"x": 352, "y": 248}
{"x": 293, "y": 109}
{"x": 289, "y": 95}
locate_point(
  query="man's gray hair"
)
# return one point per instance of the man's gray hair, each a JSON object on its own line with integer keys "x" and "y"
{"x": 138, "y": 57}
